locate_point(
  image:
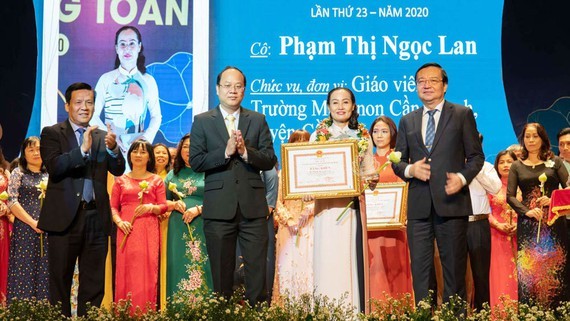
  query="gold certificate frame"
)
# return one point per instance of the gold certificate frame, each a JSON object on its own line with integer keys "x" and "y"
{"x": 324, "y": 169}
{"x": 386, "y": 206}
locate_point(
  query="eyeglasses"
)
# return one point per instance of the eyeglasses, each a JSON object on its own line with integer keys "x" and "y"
{"x": 429, "y": 82}
{"x": 131, "y": 44}
{"x": 88, "y": 103}
{"x": 228, "y": 87}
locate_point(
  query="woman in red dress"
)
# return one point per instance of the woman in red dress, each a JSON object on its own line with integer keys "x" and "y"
{"x": 389, "y": 258}
{"x": 503, "y": 221}
{"x": 137, "y": 199}
{"x": 4, "y": 229}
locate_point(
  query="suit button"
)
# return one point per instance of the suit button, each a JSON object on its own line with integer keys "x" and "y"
{"x": 78, "y": 194}
{"x": 237, "y": 181}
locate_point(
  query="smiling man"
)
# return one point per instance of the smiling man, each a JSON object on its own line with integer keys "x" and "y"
{"x": 76, "y": 212}
{"x": 232, "y": 145}
{"x": 441, "y": 154}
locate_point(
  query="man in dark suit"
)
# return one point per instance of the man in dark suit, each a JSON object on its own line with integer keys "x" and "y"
{"x": 231, "y": 145}
{"x": 441, "y": 154}
{"x": 76, "y": 211}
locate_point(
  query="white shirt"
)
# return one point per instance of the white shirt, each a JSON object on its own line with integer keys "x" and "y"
{"x": 235, "y": 114}
{"x": 236, "y": 122}
{"x": 425, "y": 118}
{"x": 436, "y": 117}
{"x": 487, "y": 181}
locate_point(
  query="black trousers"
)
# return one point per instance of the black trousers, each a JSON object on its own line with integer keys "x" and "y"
{"x": 479, "y": 248}
{"x": 239, "y": 274}
{"x": 84, "y": 240}
{"x": 450, "y": 233}
{"x": 221, "y": 239}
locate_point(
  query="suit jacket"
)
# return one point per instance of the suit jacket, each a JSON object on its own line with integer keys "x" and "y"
{"x": 231, "y": 182}
{"x": 67, "y": 171}
{"x": 456, "y": 149}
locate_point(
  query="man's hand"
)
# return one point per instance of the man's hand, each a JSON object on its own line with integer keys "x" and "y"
{"x": 87, "y": 139}
{"x": 231, "y": 146}
{"x": 453, "y": 184}
{"x": 421, "y": 170}
{"x": 110, "y": 138}
{"x": 240, "y": 143}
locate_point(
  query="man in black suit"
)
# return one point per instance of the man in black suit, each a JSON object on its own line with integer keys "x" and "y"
{"x": 76, "y": 212}
{"x": 231, "y": 145}
{"x": 441, "y": 154}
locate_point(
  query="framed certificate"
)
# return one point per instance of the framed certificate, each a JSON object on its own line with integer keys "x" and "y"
{"x": 386, "y": 206}
{"x": 324, "y": 169}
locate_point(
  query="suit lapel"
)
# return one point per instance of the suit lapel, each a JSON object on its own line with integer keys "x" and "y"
{"x": 67, "y": 131}
{"x": 418, "y": 125}
{"x": 244, "y": 121}
{"x": 69, "y": 134}
{"x": 97, "y": 138}
{"x": 220, "y": 124}
{"x": 446, "y": 112}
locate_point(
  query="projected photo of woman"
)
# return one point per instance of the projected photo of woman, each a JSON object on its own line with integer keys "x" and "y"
{"x": 128, "y": 93}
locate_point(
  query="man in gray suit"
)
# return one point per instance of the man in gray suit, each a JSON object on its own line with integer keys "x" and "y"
{"x": 232, "y": 145}
{"x": 441, "y": 154}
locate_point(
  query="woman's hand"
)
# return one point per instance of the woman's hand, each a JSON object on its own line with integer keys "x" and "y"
{"x": 308, "y": 198}
{"x": 180, "y": 206}
{"x": 506, "y": 228}
{"x": 543, "y": 201}
{"x": 304, "y": 218}
{"x": 293, "y": 228}
{"x": 4, "y": 210}
{"x": 512, "y": 229}
{"x": 164, "y": 216}
{"x": 372, "y": 181}
{"x": 34, "y": 226}
{"x": 535, "y": 213}
{"x": 190, "y": 214}
{"x": 143, "y": 209}
{"x": 125, "y": 226}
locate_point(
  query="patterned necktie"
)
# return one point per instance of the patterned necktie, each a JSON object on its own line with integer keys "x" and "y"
{"x": 231, "y": 124}
{"x": 430, "y": 130}
{"x": 88, "y": 184}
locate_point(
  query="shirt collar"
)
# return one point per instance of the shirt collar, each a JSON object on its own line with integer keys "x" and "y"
{"x": 439, "y": 107}
{"x": 225, "y": 113}
{"x": 75, "y": 126}
{"x": 131, "y": 73}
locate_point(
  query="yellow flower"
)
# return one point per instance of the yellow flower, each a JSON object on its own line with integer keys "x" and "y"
{"x": 542, "y": 178}
{"x": 4, "y": 196}
{"x": 172, "y": 187}
{"x": 395, "y": 157}
{"x": 143, "y": 185}
{"x": 42, "y": 186}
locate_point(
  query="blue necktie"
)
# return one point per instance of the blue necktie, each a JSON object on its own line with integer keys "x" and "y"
{"x": 430, "y": 130}
{"x": 88, "y": 183}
